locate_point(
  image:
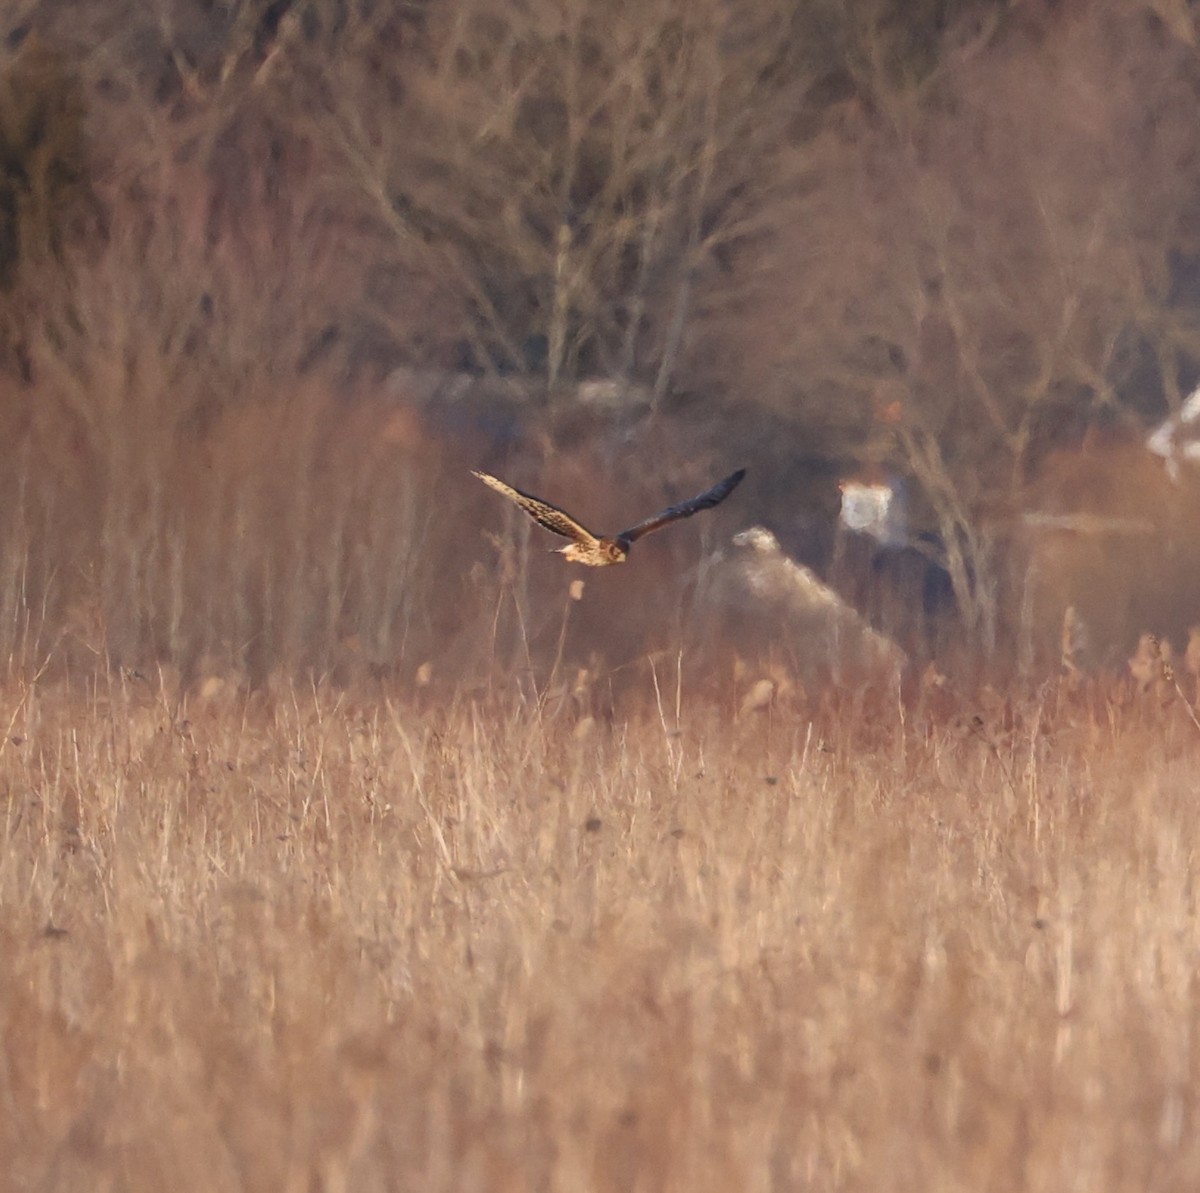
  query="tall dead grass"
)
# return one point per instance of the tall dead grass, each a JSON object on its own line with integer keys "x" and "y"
{"x": 325, "y": 939}
{"x": 275, "y": 915}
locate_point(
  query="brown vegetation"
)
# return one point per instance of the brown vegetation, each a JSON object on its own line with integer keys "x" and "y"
{"x": 946, "y": 235}
{"x": 326, "y": 940}
{"x": 1109, "y": 533}
{"x": 348, "y": 841}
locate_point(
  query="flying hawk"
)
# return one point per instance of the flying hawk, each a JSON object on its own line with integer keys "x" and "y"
{"x": 589, "y": 549}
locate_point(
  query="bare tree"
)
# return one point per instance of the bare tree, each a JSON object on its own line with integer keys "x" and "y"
{"x": 568, "y": 168}
{"x": 986, "y": 252}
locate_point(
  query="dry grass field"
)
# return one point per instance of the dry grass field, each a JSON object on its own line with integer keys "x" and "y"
{"x": 316, "y": 874}
{"x": 319, "y": 939}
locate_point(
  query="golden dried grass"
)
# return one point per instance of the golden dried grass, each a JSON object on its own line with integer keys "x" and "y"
{"x": 320, "y": 939}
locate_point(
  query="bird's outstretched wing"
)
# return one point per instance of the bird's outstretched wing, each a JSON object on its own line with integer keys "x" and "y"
{"x": 544, "y": 514}
{"x": 685, "y": 509}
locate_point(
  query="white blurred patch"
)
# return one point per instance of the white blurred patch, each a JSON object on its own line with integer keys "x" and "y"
{"x": 877, "y": 509}
{"x": 775, "y": 608}
{"x": 1177, "y": 439}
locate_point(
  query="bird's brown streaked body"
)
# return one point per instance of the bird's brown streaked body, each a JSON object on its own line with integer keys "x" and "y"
{"x": 596, "y": 551}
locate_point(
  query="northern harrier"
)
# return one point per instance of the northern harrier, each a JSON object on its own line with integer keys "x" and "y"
{"x": 596, "y": 552}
